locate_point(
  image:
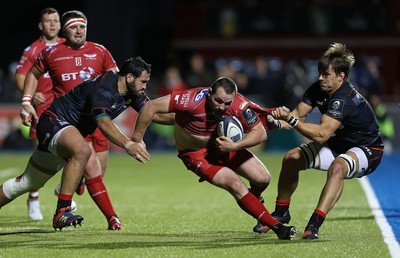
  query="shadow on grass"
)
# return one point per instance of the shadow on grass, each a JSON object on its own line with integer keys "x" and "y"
{"x": 124, "y": 240}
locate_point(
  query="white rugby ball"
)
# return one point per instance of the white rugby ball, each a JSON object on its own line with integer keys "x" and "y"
{"x": 230, "y": 127}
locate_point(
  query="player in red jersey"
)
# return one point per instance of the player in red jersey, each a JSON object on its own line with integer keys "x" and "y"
{"x": 218, "y": 160}
{"x": 49, "y": 25}
{"x": 69, "y": 64}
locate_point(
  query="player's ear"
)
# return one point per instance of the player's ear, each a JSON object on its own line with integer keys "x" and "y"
{"x": 130, "y": 78}
{"x": 40, "y": 26}
{"x": 341, "y": 76}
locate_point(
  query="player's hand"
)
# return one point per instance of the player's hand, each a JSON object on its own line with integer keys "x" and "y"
{"x": 225, "y": 144}
{"x": 38, "y": 98}
{"x": 273, "y": 123}
{"x": 282, "y": 113}
{"x": 138, "y": 151}
{"x": 27, "y": 113}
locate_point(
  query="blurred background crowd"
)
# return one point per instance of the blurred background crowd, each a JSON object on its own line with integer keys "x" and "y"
{"x": 271, "y": 49}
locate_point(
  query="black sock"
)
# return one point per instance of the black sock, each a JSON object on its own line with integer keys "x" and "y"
{"x": 317, "y": 218}
{"x": 62, "y": 204}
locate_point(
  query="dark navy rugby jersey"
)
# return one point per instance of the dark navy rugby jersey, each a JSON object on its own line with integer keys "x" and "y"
{"x": 359, "y": 125}
{"x": 93, "y": 99}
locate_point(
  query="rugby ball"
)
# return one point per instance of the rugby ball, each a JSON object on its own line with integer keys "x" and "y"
{"x": 230, "y": 127}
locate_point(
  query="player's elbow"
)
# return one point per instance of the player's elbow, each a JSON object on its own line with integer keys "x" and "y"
{"x": 322, "y": 137}
{"x": 264, "y": 136}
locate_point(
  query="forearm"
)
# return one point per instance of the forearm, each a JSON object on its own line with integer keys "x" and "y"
{"x": 30, "y": 84}
{"x": 164, "y": 119}
{"x": 253, "y": 138}
{"x": 143, "y": 121}
{"x": 157, "y": 107}
{"x": 112, "y": 132}
{"x": 19, "y": 81}
{"x": 312, "y": 131}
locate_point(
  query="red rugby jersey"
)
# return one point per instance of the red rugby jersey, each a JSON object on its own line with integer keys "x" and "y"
{"x": 69, "y": 67}
{"x": 25, "y": 63}
{"x": 191, "y": 112}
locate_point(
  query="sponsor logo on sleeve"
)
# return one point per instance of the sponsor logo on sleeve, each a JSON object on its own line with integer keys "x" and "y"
{"x": 335, "y": 108}
{"x": 249, "y": 116}
{"x": 200, "y": 95}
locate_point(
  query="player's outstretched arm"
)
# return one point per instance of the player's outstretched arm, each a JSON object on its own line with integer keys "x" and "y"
{"x": 114, "y": 134}
{"x": 147, "y": 114}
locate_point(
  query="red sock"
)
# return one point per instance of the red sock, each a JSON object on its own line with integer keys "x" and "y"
{"x": 98, "y": 191}
{"x": 282, "y": 202}
{"x": 257, "y": 191}
{"x": 251, "y": 205}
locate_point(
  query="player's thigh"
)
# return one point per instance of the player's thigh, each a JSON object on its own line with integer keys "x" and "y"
{"x": 254, "y": 170}
{"x": 227, "y": 179}
{"x": 71, "y": 143}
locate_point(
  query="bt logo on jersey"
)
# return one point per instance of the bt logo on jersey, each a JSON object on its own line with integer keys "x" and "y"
{"x": 69, "y": 76}
{"x": 83, "y": 74}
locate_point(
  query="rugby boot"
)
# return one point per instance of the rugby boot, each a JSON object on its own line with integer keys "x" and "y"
{"x": 114, "y": 223}
{"x": 285, "y": 218}
{"x": 311, "y": 232}
{"x": 64, "y": 218}
{"x": 285, "y": 232}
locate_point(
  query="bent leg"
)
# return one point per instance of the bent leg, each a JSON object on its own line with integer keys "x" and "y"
{"x": 334, "y": 185}
{"x": 72, "y": 147}
{"x": 257, "y": 174}
{"x": 40, "y": 168}
{"x": 292, "y": 163}
{"x": 230, "y": 181}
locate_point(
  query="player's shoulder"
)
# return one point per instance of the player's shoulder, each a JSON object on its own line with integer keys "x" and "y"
{"x": 196, "y": 94}
{"x": 240, "y": 102}
{"x": 346, "y": 91}
{"x": 94, "y": 45}
{"x": 61, "y": 46}
{"x": 189, "y": 98}
{"x": 34, "y": 45}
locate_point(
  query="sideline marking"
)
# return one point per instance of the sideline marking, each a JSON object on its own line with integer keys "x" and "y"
{"x": 387, "y": 232}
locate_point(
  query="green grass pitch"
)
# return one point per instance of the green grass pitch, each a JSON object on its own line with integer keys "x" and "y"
{"x": 167, "y": 213}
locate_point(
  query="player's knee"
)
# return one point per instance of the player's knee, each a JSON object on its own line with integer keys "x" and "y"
{"x": 261, "y": 174}
{"x": 349, "y": 164}
{"x": 292, "y": 158}
{"x": 264, "y": 178}
{"x": 82, "y": 152}
{"x": 31, "y": 179}
{"x": 293, "y": 154}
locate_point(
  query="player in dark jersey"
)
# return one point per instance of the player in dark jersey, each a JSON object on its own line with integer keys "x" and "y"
{"x": 63, "y": 126}
{"x": 218, "y": 160}
{"x": 69, "y": 64}
{"x": 346, "y": 143}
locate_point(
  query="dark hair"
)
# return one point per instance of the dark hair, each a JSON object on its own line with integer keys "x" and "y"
{"x": 135, "y": 66}
{"x": 48, "y": 10}
{"x": 339, "y": 57}
{"x": 71, "y": 15}
{"x": 228, "y": 84}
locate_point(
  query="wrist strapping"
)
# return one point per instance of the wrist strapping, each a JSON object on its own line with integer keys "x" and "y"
{"x": 26, "y": 100}
{"x": 129, "y": 144}
{"x": 293, "y": 121}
